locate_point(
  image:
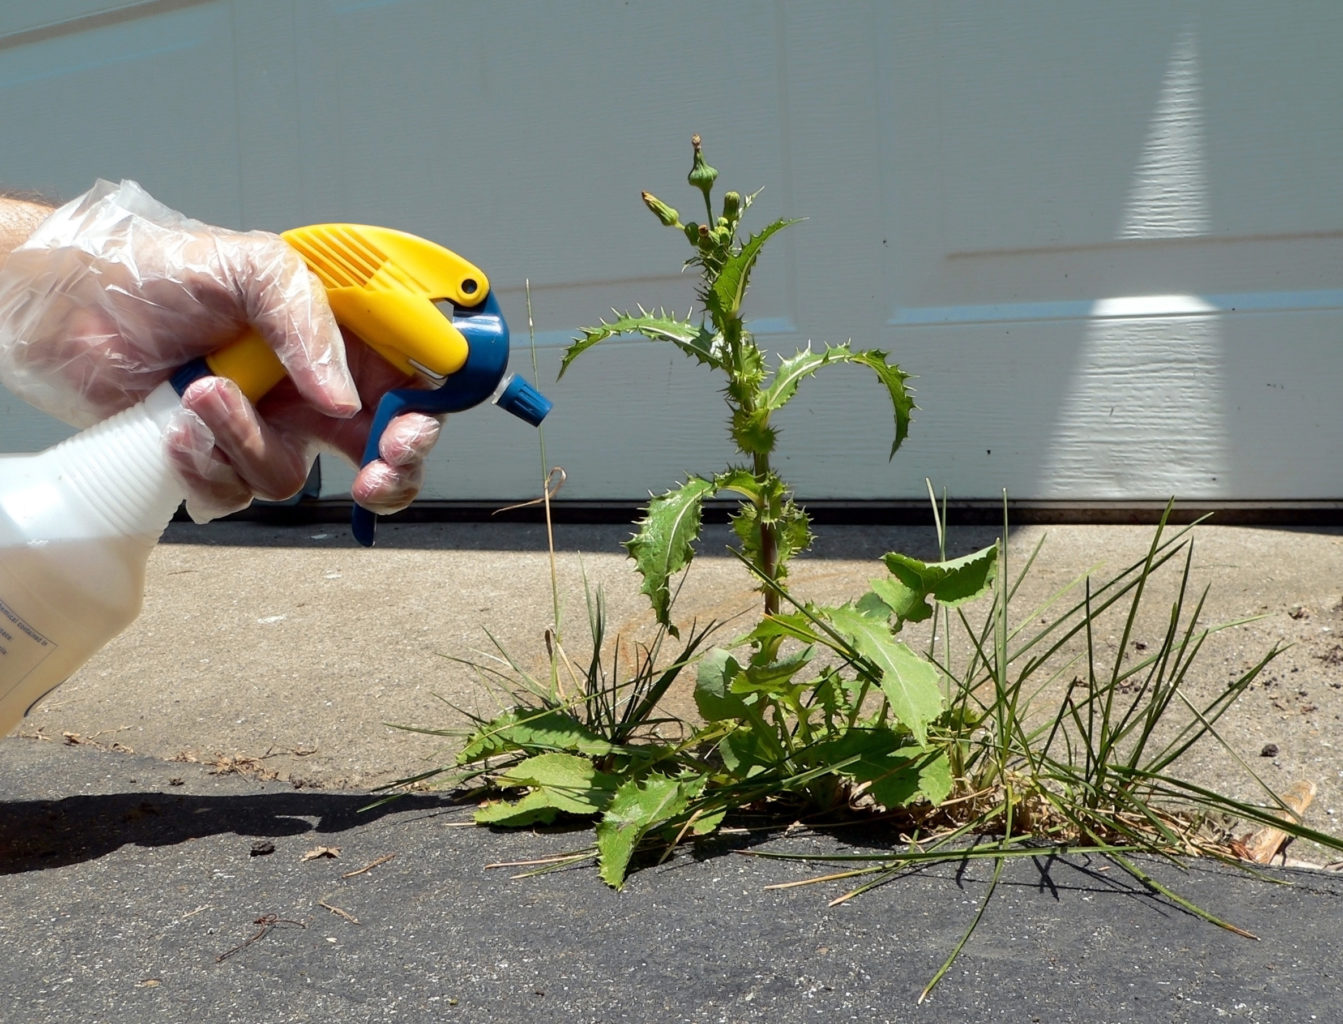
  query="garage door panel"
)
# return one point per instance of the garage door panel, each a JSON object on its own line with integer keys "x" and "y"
{"x": 96, "y": 102}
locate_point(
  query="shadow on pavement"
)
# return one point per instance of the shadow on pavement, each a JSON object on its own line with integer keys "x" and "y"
{"x": 40, "y": 834}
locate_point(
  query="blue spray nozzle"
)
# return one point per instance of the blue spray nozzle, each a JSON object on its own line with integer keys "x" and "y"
{"x": 480, "y": 378}
{"x": 523, "y": 401}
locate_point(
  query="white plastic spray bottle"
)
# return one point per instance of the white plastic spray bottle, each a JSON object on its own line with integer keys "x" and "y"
{"x": 78, "y": 521}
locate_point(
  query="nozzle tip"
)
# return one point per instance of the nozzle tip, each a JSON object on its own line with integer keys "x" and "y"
{"x": 523, "y": 401}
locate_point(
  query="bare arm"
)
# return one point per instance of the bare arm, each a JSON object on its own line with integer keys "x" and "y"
{"x": 20, "y": 213}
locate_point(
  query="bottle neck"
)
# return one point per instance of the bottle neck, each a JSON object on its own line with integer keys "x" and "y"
{"x": 119, "y": 468}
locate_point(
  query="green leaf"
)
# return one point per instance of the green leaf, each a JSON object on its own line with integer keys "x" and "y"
{"x": 579, "y": 786}
{"x": 743, "y": 754}
{"x": 530, "y": 729}
{"x": 713, "y": 687}
{"x": 695, "y": 339}
{"x": 742, "y": 481}
{"x": 912, "y": 774}
{"x": 559, "y": 783}
{"x": 530, "y": 809}
{"x": 771, "y": 506}
{"x": 664, "y": 544}
{"x": 752, "y": 433}
{"x": 793, "y": 371}
{"x": 894, "y": 379}
{"x": 952, "y": 582}
{"x": 725, "y": 295}
{"x": 638, "y": 807}
{"x": 909, "y": 682}
{"x": 895, "y": 772}
{"x": 764, "y": 674}
{"x": 788, "y": 625}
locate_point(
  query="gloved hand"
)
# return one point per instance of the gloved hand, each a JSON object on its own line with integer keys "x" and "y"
{"x": 114, "y": 291}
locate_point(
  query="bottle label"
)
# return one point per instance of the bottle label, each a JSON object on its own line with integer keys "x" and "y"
{"x": 22, "y": 648}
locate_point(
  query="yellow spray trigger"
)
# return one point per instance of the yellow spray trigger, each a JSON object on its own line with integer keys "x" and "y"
{"x": 389, "y": 288}
{"x": 383, "y": 285}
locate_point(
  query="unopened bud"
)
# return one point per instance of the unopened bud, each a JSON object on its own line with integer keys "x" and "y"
{"x": 701, "y": 175}
{"x": 661, "y": 210}
{"x": 731, "y": 204}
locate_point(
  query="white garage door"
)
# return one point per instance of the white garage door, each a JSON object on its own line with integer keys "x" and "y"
{"x": 1106, "y": 238}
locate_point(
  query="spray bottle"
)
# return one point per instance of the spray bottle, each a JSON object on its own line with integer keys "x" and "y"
{"x": 78, "y": 521}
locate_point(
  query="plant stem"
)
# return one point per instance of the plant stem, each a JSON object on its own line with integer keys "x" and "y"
{"x": 768, "y": 541}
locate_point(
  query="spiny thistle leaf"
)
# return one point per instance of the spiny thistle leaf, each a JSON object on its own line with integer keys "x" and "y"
{"x": 664, "y": 544}
{"x": 724, "y": 296}
{"x": 695, "y": 339}
{"x": 752, "y": 432}
{"x": 793, "y": 371}
{"x": 792, "y": 534}
{"x": 742, "y": 481}
{"x": 638, "y": 807}
{"x": 894, "y": 378}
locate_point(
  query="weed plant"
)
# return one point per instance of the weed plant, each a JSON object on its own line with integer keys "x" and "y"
{"x": 1004, "y": 732}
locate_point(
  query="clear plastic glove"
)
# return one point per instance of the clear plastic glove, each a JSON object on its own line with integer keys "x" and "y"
{"x": 114, "y": 291}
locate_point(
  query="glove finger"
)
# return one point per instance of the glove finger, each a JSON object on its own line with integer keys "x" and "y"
{"x": 285, "y": 409}
{"x": 212, "y": 486}
{"x": 385, "y": 489}
{"x": 270, "y": 463}
{"x": 287, "y": 305}
{"x": 409, "y": 438}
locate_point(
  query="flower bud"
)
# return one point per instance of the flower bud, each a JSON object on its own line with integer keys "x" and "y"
{"x": 704, "y": 239}
{"x": 661, "y": 210}
{"x": 701, "y": 175}
{"x": 731, "y": 205}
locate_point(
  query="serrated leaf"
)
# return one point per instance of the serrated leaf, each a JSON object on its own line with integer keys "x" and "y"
{"x": 742, "y": 481}
{"x": 752, "y": 433}
{"x": 529, "y": 729}
{"x": 558, "y": 784}
{"x": 762, "y": 673}
{"x": 793, "y": 371}
{"x": 576, "y": 779}
{"x": 729, "y": 286}
{"x": 894, "y": 380}
{"x": 909, "y": 682}
{"x": 638, "y": 807}
{"x": 695, "y": 339}
{"x": 770, "y": 505}
{"x": 953, "y": 582}
{"x": 664, "y": 544}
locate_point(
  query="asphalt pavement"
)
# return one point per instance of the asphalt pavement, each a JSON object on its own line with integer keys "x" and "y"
{"x": 186, "y": 832}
